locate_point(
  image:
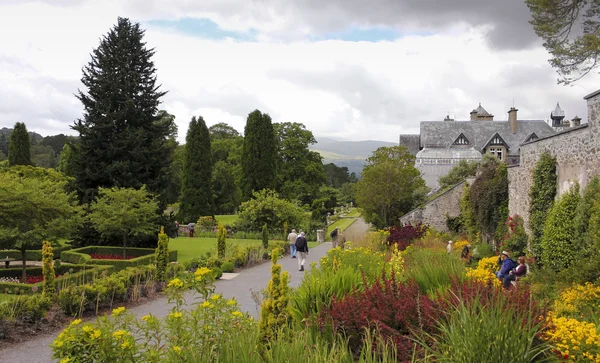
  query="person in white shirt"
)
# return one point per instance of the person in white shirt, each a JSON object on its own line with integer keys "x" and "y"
{"x": 449, "y": 247}
{"x": 292, "y": 239}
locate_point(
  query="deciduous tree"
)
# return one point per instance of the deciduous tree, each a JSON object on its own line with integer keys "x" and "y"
{"x": 458, "y": 173}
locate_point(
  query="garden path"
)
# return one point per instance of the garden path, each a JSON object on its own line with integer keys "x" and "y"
{"x": 252, "y": 279}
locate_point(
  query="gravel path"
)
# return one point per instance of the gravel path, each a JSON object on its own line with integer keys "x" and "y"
{"x": 252, "y": 279}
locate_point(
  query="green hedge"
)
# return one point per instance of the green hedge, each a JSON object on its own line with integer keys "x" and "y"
{"x": 80, "y": 275}
{"x": 32, "y": 255}
{"x": 82, "y": 255}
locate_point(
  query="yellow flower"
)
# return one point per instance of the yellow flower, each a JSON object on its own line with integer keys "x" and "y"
{"x": 58, "y": 344}
{"x": 202, "y": 271}
{"x": 87, "y": 329}
{"x": 206, "y": 304}
{"x": 118, "y": 311}
{"x": 231, "y": 302}
{"x": 65, "y": 360}
{"x": 126, "y": 344}
{"x": 176, "y": 349}
{"x": 146, "y": 317}
{"x": 96, "y": 334}
{"x": 215, "y": 297}
{"x": 176, "y": 283}
{"x": 175, "y": 315}
{"x": 119, "y": 333}
{"x": 76, "y": 322}
{"x": 237, "y": 314}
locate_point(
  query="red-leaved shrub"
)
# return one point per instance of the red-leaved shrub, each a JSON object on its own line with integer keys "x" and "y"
{"x": 36, "y": 279}
{"x": 396, "y": 310}
{"x": 404, "y": 236}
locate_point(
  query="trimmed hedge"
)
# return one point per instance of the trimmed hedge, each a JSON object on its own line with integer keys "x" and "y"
{"x": 81, "y": 274}
{"x": 81, "y": 255}
{"x": 32, "y": 255}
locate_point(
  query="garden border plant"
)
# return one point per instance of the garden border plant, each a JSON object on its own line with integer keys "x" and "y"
{"x": 146, "y": 256}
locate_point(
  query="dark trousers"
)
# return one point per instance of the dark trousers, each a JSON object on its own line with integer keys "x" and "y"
{"x": 507, "y": 280}
{"x": 191, "y": 233}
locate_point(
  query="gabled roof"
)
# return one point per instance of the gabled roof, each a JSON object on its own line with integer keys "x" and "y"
{"x": 461, "y": 140}
{"x": 481, "y": 111}
{"x": 531, "y": 137}
{"x": 443, "y": 134}
{"x": 496, "y": 139}
{"x": 558, "y": 112}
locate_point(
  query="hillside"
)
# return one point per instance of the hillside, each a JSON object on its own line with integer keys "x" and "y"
{"x": 351, "y": 154}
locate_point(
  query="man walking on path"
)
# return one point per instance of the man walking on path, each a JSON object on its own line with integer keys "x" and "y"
{"x": 292, "y": 239}
{"x": 302, "y": 248}
{"x": 334, "y": 237}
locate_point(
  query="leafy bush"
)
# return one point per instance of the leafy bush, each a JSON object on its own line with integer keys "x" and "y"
{"x": 217, "y": 273}
{"x": 227, "y": 267}
{"x": 206, "y": 224}
{"x": 396, "y": 310}
{"x": 162, "y": 255}
{"x": 221, "y": 238}
{"x": 468, "y": 222}
{"x": 559, "y": 247}
{"x": 433, "y": 270}
{"x": 48, "y": 270}
{"x": 454, "y": 224}
{"x": 515, "y": 239}
{"x": 541, "y": 194}
{"x": 404, "y": 236}
{"x": 32, "y": 255}
{"x": 267, "y": 208}
{"x": 274, "y": 313}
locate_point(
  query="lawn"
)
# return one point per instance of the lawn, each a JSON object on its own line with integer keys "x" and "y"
{"x": 227, "y": 219}
{"x": 188, "y": 248}
{"x": 341, "y": 223}
{"x": 354, "y": 213}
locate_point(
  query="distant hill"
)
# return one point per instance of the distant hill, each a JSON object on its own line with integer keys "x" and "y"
{"x": 6, "y": 132}
{"x": 351, "y": 154}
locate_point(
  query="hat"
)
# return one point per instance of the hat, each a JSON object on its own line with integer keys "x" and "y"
{"x": 506, "y": 253}
{"x": 449, "y": 241}
{"x": 293, "y": 230}
{"x": 302, "y": 233}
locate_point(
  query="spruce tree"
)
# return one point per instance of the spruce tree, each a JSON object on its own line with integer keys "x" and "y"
{"x": 19, "y": 147}
{"x": 259, "y": 158}
{"x": 123, "y": 138}
{"x": 196, "y": 189}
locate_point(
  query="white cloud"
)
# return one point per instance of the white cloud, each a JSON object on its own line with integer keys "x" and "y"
{"x": 349, "y": 90}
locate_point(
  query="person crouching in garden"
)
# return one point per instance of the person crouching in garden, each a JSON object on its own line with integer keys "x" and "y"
{"x": 507, "y": 265}
{"x": 302, "y": 249}
{"x": 520, "y": 271}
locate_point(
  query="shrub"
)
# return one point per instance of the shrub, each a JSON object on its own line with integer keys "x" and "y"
{"x": 467, "y": 215}
{"x": 515, "y": 239}
{"x": 455, "y": 224}
{"x": 145, "y": 256}
{"x": 267, "y": 208}
{"x": 221, "y": 238}
{"x": 206, "y": 224}
{"x": 227, "y": 267}
{"x": 541, "y": 194}
{"x": 404, "y": 236}
{"x": 71, "y": 301}
{"x": 265, "y": 236}
{"x": 162, "y": 255}
{"x": 48, "y": 270}
{"x": 217, "y": 273}
{"x": 559, "y": 247}
{"x": 395, "y": 310}
{"x": 274, "y": 314}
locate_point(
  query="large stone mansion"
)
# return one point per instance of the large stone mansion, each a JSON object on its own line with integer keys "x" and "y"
{"x": 443, "y": 144}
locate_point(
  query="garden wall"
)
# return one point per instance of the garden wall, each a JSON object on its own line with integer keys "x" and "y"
{"x": 577, "y": 153}
{"x": 434, "y": 212}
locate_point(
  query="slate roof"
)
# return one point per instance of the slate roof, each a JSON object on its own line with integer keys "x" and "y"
{"x": 440, "y": 134}
{"x": 481, "y": 111}
{"x": 558, "y": 112}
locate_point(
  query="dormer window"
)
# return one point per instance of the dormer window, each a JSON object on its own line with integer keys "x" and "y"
{"x": 531, "y": 137}
{"x": 497, "y": 140}
{"x": 461, "y": 140}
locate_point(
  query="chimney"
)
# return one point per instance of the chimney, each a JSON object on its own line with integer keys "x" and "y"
{"x": 576, "y": 121}
{"x": 512, "y": 120}
{"x": 473, "y": 115}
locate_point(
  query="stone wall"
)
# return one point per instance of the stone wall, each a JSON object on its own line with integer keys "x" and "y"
{"x": 434, "y": 212}
{"x": 577, "y": 152}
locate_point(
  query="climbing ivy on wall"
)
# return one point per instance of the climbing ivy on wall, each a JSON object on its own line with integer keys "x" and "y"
{"x": 466, "y": 213}
{"x": 541, "y": 194}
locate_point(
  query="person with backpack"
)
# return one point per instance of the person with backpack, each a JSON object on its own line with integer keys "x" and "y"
{"x": 334, "y": 237}
{"x": 302, "y": 249}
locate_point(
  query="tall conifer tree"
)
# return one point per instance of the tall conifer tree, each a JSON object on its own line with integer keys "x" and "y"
{"x": 259, "y": 159}
{"x": 19, "y": 147}
{"x": 123, "y": 139}
{"x": 196, "y": 190}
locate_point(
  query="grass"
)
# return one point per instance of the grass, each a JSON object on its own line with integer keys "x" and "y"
{"x": 354, "y": 213}
{"x": 341, "y": 223}
{"x": 188, "y": 248}
{"x": 227, "y": 219}
{"x": 6, "y": 297}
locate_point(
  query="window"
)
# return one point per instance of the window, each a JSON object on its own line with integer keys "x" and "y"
{"x": 497, "y": 140}
{"x": 461, "y": 140}
{"x": 532, "y": 137}
{"x": 497, "y": 152}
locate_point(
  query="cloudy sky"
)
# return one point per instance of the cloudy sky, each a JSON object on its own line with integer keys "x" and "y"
{"x": 347, "y": 69}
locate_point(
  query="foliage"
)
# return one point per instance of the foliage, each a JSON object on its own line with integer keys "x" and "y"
{"x": 162, "y": 255}
{"x": 27, "y": 308}
{"x": 259, "y": 157}
{"x": 221, "y": 239}
{"x": 123, "y": 212}
{"x": 35, "y": 205}
{"x": 300, "y": 170}
{"x": 489, "y": 196}
{"x": 267, "y": 208}
{"x": 196, "y": 189}
{"x": 390, "y": 186}
{"x": 559, "y": 247}
{"x": 467, "y": 215}
{"x": 542, "y": 195}
{"x": 454, "y": 224}
{"x": 221, "y": 131}
{"x": 484, "y": 273}
{"x": 432, "y": 270}
{"x": 19, "y": 147}
{"x": 225, "y": 189}
{"x": 121, "y": 118}
{"x": 337, "y": 176}
{"x": 458, "y": 173}
{"x": 227, "y": 267}
{"x": 274, "y": 314}
{"x": 205, "y": 224}
{"x": 515, "y": 239}
{"x": 265, "y": 235}
{"x": 404, "y": 236}
{"x": 587, "y": 232}
{"x": 484, "y": 324}
{"x": 395, "y": 310}
{"x": 48, "y": 270}
{"x": 574, "y": 52}
{"x": 66, "y": 163}
{"x": 142, "y": 256}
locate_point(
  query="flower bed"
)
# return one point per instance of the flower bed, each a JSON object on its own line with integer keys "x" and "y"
{"x": 141, "y": 256}
{"x": 110, "y": 256}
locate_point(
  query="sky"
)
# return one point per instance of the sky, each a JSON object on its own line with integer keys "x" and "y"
{"x": 347, "y": 69}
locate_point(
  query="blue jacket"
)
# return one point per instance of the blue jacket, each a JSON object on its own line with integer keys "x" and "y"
{"x": 507, "y": 265}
